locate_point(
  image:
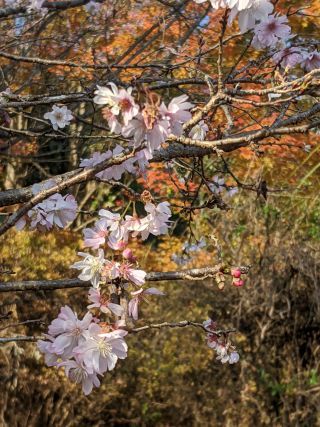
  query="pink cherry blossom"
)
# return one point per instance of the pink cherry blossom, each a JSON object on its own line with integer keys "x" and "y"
{"x": 100, "y": 351}
{"x": 177, "y": 113}
{"x": 55, "y": 210}
{"x": 91, "y": 267}
{"x": 115, "y": 244}
{"x": 132, "y": 275}
{"x": 111, "y": 270}
{"x": 59, "y": 117}
{"x": 311, "y": 61}
{"x": 50, "y": 357}
{"x": 128, "y": 255}
{"x": 115, "y": 224}
{"x": 157, "y": 221}
{"x": 119, "y": 101}
{"x": 271, "y": 31}
{"x": 103, "y": 303}
{"x": 79, "y": 374}
{"x": 113, "y": 172}
{"x": 249, "y": 12}
{"x": 133, "y": 305}
{"x": 289, "y": 57}
{"x": 70, "y": 331}
{"x": 96, "y": 236}
{"x": 154, "y": 132}
{"x": 199, "y": 131}
{"x": 95, "y": 159}
{"x": 113, "y": 123}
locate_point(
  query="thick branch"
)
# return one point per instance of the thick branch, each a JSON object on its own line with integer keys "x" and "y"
{"x": 44, "y": 285}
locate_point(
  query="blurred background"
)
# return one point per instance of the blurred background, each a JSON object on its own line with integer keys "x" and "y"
{"x": 171, "y": 377}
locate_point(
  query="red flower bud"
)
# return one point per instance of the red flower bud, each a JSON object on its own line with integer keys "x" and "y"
{"x": 238, "y": 282}
{"x": 236, "y": 273}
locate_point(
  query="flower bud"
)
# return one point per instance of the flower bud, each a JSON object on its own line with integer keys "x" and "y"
{"x": 238, "y": 282}
{"x": 236, "y": 273}
{"x": 127, "y": 254}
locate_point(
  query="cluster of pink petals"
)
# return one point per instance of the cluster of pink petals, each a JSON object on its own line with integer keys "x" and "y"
{"x": 311, "y": 60}
{"x": 94, "y": 269}
{"x": 154, "y": 130}
{"x": 271, "y": 31}
{"x": 120, "y": 101}
{"x": 116, "y": 230}
{"x": 133, "y": 306}
{"x": 291, "y": 56}
{"x": 225, "y": 351}
{"x": 102, "y": 303}
{"x": 56, "y": 210}
{"x": 91, "y": 267}
{"x": 150, "y": 125}
{"x": 82, "y": 348}
{"x": 248, "y": 11}
{"x": 113, "y": 172}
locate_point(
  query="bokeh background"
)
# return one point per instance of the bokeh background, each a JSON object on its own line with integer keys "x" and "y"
{"x": 170, "y": 378}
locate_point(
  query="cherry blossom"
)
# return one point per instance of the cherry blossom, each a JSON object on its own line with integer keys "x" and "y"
{"x": 79, "y": 374}
{"x": 96, "y": 236}
{"x": 93, "y": 7}
{"x": 177, "y": 113}
{"x": 111, "y": 270}
{"x": 91, "y": 267}
{"x": 113, "y": 172}
{"x": 157, "y": 221}
{"x": 68, "y": 331}
{"x": 133, "y": 305}
{"x": 132, "y": 275}
{"x": 113, "y": 122}
{"x": 150, "y": 127}
{"x": 103, "y": 303}
{"x": 217, "y": 185}
{"x": 114, "y": 223}
{"x": 271, "y": 31}
{"x": 100, "y": 351}
{"x": 55, "y": 210}
{"x": 216, "y": 4}
{"x": 50, "y": 356}
{"x": 249, "y": 11}
{"x": 128, "y": 255}
{"x": 95, "y": 159}
{"x": 311, "y": 61}
{"x": 289, "y": 57}
{"x": 225, "y": 350}
{"x": 115, "y": 244}
{"x": 59, "y": 117}
{"x": 199, "y": 131}
{"x": 119, "y": 101}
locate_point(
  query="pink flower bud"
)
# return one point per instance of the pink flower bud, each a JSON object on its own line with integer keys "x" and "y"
{"x": 127, "y": 254}
{"x": 238, "y": 282}
{"x": 236, "y": 273}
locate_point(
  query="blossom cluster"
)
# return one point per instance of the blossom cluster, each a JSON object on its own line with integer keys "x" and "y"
{"x": 149, "y": 124}
{"x": 115, "y": 229}
{"x": 226, "y": 352}
{"x": 96, "y": 269}
{"x": 55, "y": 210}
{"x": 270, "y": 31}
{"x": 84, "y": 348}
